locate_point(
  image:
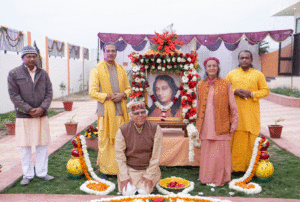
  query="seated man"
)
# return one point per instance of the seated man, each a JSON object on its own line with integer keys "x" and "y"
{"x": 138, "y": 147}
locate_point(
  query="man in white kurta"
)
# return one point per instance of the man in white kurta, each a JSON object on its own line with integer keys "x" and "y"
{"x": 138, "y": 147}
{"x": 30, "y": 90}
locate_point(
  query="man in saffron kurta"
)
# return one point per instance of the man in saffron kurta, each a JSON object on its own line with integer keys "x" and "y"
{"x": 109, "y": 85}
{"x": 138, "y": 151}
{"x": 249, "y": 85}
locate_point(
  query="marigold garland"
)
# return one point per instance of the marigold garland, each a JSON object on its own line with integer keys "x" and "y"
{"x": 82, "y": 162}
{"x": 241, "y": 184}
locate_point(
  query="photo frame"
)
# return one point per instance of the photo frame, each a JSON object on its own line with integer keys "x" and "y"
{"x": 164, "y": 87}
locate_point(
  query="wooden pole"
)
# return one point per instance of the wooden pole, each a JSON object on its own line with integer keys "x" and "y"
{"x": 68, "y": 58}
{"x": 47, "y": 56}
{"x": 29, "y": 38}
{"x": 82, "y": 68}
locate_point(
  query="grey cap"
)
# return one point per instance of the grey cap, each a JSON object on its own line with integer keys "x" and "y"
{"x": 28, "y": 50}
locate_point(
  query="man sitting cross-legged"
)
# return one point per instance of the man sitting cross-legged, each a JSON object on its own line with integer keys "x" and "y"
{"x": 138, "y": 147}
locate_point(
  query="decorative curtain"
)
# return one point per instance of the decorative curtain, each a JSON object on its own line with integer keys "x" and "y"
{"x": 212, "y": 41}
{"x": 74, "y": 51}
{"x": 11, "y": 40}
{"x": 86, "y": 53}
{"x": 56, "y": 48}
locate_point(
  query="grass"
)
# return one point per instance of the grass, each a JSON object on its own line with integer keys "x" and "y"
{"x": 286, "y": 91}
{"x": 284, "y": 183}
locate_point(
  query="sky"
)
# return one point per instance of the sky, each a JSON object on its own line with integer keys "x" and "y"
{"x": 79, "y": 21}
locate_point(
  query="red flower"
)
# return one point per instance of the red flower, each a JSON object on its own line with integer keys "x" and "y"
{"x": 158, "y": 200}
{"x": 157, "y": 55}
{"x": 181, "y": 55}
{"x": 170, "y": 54}
{"x": 140, "y": 56}
{"x": 163, "y": 56}
{"x": 164, "y": 65}
{"x": 151, "y": 56}
{"x": 187, "y": 55}
{"x": 132, "y": 82}
{"x": 183, "y": 93}
{"x": 147, "y": 56}
{"x": 132, "y": 95}
{"x": 175, "y": 54}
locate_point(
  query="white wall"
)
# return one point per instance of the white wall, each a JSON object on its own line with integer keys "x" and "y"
{"x": 285, "y": 81}
{"x": 7, "y": 62}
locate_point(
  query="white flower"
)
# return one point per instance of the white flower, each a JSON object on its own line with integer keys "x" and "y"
{"x": 152, "y": 59}
{"x": 183, "y": 60}
{"x": 200, "y": 193}
{"x": 173, "y": 59}
{"x": 137, "y": 80}
{"x": 119, "y": 193}
{"x": 152, "y": 67}
{"x": 142, "y": 60}
{"x": 191, "y": 65}
{"x": 180, "y": 200}
{"x": 189, "y": 91}
{"x": 194, "y": 78}
{"x": 194, "y": 104}
{"x": 189, "y": 59}
{"x": 212, "y": 189}
{"x": 163, "y": 69}
{"x": 146, "y": 66}
{"x": 158, "y": 60}
{"x": 142, "y": 80}
{"x": 231, "y": 193}
{"x": 169, "y": 66}
{"x": 178, "y": 59}
{"x": 135, "y": 69}
{"x": 168, "y": 60}
{"x": 185, "y": 121}
{"x": 185, "y": 110}
{"x": 138, "y": 200}
{"x": 184, "y": 98}
{"x": 164, "y": 61}
{"x": 142, "y": 73}
{"x": 185, "y": 87}
{"x": 186, "y": 67}
{"x": 181, "y": 66}
{"x": 184, "y": 79}
{"x": 141, "y": 89}
{"x": 137, "y": 89}
{"x": 137, "y": 73}
{"x": 159, "y": 67}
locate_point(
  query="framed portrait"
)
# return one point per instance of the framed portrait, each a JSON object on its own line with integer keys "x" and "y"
{"x": 165, "y": 91}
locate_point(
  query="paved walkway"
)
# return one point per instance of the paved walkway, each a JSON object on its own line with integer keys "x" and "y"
{"x": 85, "y": 115}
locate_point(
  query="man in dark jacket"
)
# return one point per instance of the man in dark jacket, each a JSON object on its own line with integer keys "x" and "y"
{"x": 30, "y": 90}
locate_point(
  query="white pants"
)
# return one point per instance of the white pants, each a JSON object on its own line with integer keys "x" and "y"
{"x": 131, "y": 189}
{"x": 41, "y": 162}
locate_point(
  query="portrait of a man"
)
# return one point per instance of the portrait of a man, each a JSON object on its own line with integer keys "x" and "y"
{"x": 165, "y": 88}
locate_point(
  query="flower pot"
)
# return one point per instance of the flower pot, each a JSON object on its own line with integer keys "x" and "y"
{"x": 71, "y": 128}
{"x": 275, "y": 131}
{"x": 11, "y": 128}
{"x": 68, "y": 105}
{"x": 92, "y": 143}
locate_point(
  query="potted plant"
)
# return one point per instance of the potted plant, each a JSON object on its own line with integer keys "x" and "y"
{"x": 71, "y": 126}
{"x": 275, "y": 130}
{"x": 67, "y": 104}
{"x": 91, "y": 135}
{"x": 10, "y": 123}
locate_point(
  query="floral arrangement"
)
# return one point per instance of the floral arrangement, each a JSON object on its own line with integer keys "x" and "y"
{"x": 94, "y": 184}
{"x": 91, "y": 132}
{"x": 162, "y": 190}
{"x": 242, "y": 184}
{"x": 166, "y": 42}
{"x": 193, "y": 134}
{"x": 160, "y": 198}
{"x": 167, "y": 62}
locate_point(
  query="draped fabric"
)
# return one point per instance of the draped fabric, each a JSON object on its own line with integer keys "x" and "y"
{"x": 56, "y": 48}
{"x": 215, "y": 46}
{"x": 212, "y": 40}
{"x": 11, "y": 40}
{"x": 232, "y": 47}
{"x": 86, "y": 53}
{"x": 74, "y": 51}
{"x": 121, "y": 45}
{"x": 140, "y": 46}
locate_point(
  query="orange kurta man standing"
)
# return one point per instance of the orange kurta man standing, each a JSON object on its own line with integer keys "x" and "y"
{"x": 109, "y": 85}
{"x": 249, "y": 85}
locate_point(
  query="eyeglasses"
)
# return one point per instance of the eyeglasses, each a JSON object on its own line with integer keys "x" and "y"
{"x": 139, "y": 113}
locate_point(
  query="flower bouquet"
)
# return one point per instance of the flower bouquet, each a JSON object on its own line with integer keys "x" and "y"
{"x": 91, "y": 132}
{"x": 91, "y": 135}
